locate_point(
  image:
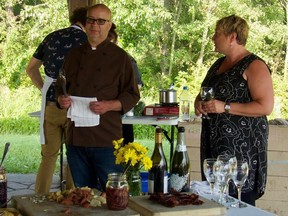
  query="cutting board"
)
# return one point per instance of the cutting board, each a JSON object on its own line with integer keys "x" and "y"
{"x": 13, "y": 211}
{"x": 32, "y": 205}
{"x": 148, "y": 207}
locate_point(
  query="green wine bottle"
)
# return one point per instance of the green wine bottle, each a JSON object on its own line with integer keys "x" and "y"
{"x": 180, "y": 166}
{"x": 158, "y": 174}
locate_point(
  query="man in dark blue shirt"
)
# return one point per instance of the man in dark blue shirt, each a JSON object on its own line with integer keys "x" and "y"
{"x": 53, "y": 121}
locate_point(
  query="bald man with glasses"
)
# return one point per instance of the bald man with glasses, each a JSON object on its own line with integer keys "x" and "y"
{"x": 102, "y": 70}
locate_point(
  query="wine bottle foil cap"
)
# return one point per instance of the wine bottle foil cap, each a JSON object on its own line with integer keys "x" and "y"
{"x": 158, "y": 130}
{"x": 181, "y": 129}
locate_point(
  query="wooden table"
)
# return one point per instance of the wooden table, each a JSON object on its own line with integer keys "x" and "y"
{"x": 34, "y": 205}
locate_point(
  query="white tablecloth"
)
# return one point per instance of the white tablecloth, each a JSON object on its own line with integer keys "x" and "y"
{"x": 143, "y": 120}
{"x": 203, "y": 189}
{"x": 151, "y": 120}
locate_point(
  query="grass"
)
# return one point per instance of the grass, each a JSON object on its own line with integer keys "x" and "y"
{"x": 24, "y": 155}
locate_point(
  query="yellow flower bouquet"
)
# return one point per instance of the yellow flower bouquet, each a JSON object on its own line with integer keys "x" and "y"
{"x": 134, "y": 157}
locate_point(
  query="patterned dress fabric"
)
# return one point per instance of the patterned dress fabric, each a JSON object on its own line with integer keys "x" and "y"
{"x": 244, "y": 137}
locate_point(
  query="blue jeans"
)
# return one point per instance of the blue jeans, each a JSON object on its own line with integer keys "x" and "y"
{"x": 91, "y": 166}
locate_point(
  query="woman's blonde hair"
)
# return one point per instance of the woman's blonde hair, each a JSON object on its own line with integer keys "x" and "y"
{"x": 234, "y": 24}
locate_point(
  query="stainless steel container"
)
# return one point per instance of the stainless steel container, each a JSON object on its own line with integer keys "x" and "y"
{"x": 167, "y": 96}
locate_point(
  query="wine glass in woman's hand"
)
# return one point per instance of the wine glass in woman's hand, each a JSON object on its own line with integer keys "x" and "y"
{"x": 206, "y": 94}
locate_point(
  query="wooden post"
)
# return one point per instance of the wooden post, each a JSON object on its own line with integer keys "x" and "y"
{"x": 72, "y": 4}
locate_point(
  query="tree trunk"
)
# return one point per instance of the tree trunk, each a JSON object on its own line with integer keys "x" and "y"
{"x": 10, "y": 15}
{"x": 73, "y": 4}
{"x": 209, "y": 7}
{"x": 178, "y": 10}
{"x": 165, "y": 39}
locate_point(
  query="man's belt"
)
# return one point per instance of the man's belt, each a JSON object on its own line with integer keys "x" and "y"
{"x": 51, "y": 103}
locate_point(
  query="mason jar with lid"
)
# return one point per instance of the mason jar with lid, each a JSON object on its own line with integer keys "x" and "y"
{"x": 3, "y": 187}
{"x": 117, "y": 191}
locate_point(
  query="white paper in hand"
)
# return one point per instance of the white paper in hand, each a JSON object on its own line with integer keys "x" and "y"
{"x": 80, "y": 113}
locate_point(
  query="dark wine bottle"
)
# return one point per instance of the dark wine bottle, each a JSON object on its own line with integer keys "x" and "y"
{"x": 180, "y": 166}
{"x": 158, "y": 174}
{"x": 3, "y": 187}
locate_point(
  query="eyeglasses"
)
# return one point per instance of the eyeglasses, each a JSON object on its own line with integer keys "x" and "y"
{"x": 99, "y": 21}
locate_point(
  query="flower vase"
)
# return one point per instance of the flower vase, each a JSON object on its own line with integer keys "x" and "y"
{"x": 135, "y": 182}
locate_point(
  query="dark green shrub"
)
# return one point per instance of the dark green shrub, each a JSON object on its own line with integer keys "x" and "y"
{"x": 20, "y": 125}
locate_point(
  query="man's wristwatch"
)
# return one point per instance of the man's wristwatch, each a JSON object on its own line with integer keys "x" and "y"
{"x": 227, "y": 107}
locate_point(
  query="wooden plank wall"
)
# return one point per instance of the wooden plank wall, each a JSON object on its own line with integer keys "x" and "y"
{"x": 275, "y": 199}
{"x": 192, "y": 139}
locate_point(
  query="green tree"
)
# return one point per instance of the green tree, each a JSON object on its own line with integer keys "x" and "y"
{"x": 171, "y": 40}
{"x": 25, "y": 25}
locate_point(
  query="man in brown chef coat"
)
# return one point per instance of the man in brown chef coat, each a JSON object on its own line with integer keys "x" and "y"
{"x": 98, "y": 70}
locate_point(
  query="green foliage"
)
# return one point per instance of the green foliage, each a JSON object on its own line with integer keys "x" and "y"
{"x": 148, "y": 132}
{"x": 22, "y": 34}
{"x": 18, "y": 102}
{"x": 20, "y": 125}
{"x": 171, "y": 41}
{"x": 15, "y": 105}
{"x": 281, "y": 99}
{"x": 24, "y": 154}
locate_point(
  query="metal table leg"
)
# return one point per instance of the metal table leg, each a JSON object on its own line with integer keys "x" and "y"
{"x": 62, "y": 181}
{"x": 171, "y": 140}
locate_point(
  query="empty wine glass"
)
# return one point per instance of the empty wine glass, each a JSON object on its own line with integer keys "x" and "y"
{"x": 208, "y": 172}
{"x": 221, "y": 171}
{"x": 206, "y": 94}
{"x": 232, "y": 161}
{"x": 239, "y": 176}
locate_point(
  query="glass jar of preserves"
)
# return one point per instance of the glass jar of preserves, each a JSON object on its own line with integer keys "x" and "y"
{"x": 117, "y": 191}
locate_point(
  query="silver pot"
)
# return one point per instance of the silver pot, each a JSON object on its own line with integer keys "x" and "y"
{"x": 167, "y": 96}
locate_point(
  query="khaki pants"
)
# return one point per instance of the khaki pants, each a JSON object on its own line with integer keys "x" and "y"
{"x": 55, "y": 129}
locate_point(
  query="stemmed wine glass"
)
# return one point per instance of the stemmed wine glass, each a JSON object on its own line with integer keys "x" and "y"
{"x": 232, "y": 161}
{"x": 221, "y": 171}
{"x": 208, "y": 172}
{"x": 206, "y": 94}
{"x": 239, "y": 176}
